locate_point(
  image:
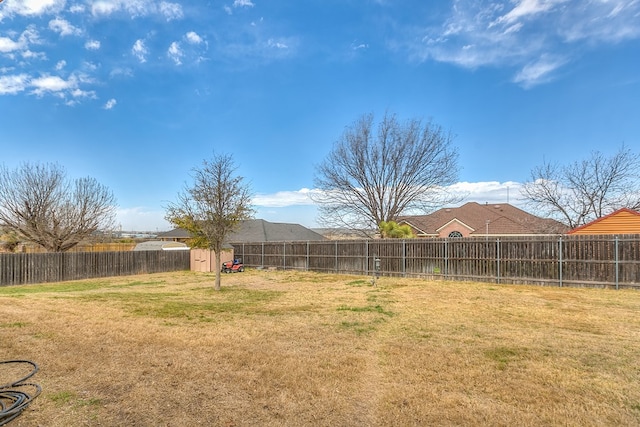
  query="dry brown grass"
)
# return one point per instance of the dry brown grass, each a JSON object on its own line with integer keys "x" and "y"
{"x": 285, "y": 348}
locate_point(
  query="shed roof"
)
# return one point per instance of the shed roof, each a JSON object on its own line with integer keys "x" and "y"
{"x": 621, "y": 221}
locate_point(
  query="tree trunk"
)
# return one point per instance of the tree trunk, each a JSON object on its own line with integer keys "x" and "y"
{"x": 218, "y": 270}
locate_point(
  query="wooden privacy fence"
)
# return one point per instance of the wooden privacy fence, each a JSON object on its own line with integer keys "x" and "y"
{"x": 24, "y": 268}
{"x": 594, "y": 261}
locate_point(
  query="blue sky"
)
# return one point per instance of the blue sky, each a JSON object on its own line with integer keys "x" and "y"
{"x": 136, "y": 93}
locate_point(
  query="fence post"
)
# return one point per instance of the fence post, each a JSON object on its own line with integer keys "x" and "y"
{"x": 336, "y": 251}
{"x": 560, "y": 260}
{"x": 617, "y": 264}
{"x": 262, "y": 255}
{"x": 308, "y": 261}
{"x": 404, "y": 258}
{"x": 498, "y": 260}
{"x": 446, "y": 258}
{"x": 366, "y": 257}
{"x": 284, "y": 255}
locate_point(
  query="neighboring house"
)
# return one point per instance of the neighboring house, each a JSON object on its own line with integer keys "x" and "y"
{"x": 175, "y": 235}
{"x": 622, "y": 221}
{"x": 476, "y": 220}
{"x": 256, "y": 230}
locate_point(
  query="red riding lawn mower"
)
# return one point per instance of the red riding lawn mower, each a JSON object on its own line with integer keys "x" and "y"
{"x": 235, "y": 266}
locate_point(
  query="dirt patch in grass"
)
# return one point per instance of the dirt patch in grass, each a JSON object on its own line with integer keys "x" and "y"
{"x": 290, "y": 348}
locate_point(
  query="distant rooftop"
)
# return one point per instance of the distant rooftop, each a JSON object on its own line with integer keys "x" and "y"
{"x": 257, "y": 230}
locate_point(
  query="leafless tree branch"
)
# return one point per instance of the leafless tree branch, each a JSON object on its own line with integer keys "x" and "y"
{"x": 585, "y": 190}
{"x": 376, "y": 174}
{"x": 42, "y": 206}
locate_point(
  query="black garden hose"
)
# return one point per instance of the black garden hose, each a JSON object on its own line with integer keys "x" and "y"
{"x": 13, "y": 397}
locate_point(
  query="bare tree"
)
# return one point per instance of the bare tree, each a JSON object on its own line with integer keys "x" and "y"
{"x": 376, "y": 174}
{"x": 43, "y": 206}
{"x": 212, "y": 207}
{"x": 583, "y": 191}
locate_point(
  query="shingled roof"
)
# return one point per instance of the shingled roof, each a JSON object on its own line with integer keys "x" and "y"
{"x": 473, "y": 219}
{"x": 257, "y": 230}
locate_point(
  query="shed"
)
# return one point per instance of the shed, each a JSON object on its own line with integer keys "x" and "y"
{"x": 622, "y": 221}
{"x": 204, "y": 260}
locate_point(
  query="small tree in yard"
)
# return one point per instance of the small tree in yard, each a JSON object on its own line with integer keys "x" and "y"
{"x": 41, "y": 205}
{"x": 393, "y": 230}
{"x": 213, "y": 206}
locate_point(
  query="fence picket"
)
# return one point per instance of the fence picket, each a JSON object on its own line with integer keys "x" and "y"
{"x": 27, "y": 268}
{"x": 589, "y": 261}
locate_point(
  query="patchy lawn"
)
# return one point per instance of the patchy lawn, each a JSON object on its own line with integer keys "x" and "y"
{"x": 291, "y": 348}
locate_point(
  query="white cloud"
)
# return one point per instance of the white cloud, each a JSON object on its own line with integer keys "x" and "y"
{"x": 11, "y": 85}
{"x": 171, "y": 10}
{"x": 488, "y": 192}
{"x": 358, "y": 46}
{"x": 31, "y": 8}
{"x": 193, "y": 37}
{"x": 8, "y": 45}
{"x": 116, "y": 72}
{"x": 59, "y": 87}
{"x": 538, "y": 72}
{"x": 104, "y": 7}
{"x": 175, "y": 53}
{"x": 110, "y": 104}
{"x": 28, "y": 37}
{"x": 77, "y": 8}
{"x": 89, "y": 66}
{"x": 284, "y": 198}
{"x": 137, "y": 8}
{"x": 481, "y": 192}
{"x": 52, "y": 84}
{"x": 524, "y": 34}
{"x": 526, "y": 8}
{"x": 63, "y": 27}
{"x": 140, "y": 51}
{"x": 277, "y": 44}
{"x": 60, "y": 65}
{"x": 142, "y": 219}
{"x": 242, "y": 3}
{"x": 28, "y": 54}
{"x": 92, "y": 45}
{"x": 79, "y": 93}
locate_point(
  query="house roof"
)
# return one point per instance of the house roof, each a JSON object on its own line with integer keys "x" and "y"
{"x": 258, "y": 230}
{"x": 622, "y": 221}
{"x": 494, "y": 219}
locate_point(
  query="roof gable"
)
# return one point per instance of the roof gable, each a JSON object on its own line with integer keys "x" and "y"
{"x": 454, "y": 221}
